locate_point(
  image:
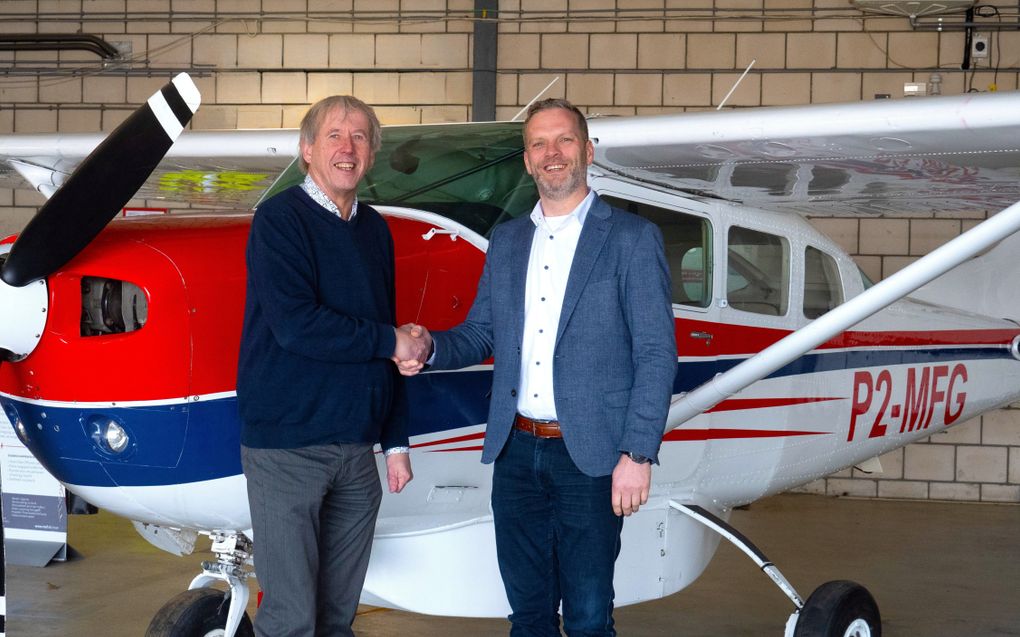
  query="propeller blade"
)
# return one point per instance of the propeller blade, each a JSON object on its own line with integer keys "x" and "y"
{"x": 106, "y": 180}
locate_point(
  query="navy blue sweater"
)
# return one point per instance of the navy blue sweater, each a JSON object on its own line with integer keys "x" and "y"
{"x": 314, "y": 366}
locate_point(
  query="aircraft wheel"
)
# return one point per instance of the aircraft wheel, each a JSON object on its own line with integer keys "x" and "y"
{"x": 196, "y": 613}
{"x": 839, "y": 609}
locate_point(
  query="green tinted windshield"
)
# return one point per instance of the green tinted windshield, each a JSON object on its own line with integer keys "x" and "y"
{"x": 470, "y": 173}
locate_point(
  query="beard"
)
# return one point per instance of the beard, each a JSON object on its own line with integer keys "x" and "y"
{"x": 575, "y": 179}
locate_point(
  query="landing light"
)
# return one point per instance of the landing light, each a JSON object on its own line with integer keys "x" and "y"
{"x": 109, "y": 435}
{"x": 115, "y": 437}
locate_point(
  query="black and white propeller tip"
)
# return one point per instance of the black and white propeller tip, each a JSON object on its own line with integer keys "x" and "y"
{"x": 102, "y": 184}
{"x": 175, "y": 104}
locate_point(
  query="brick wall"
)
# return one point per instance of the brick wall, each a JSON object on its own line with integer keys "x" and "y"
{"x": 259, "y": 63}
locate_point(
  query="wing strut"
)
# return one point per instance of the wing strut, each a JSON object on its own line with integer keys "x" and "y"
{"x": 836, "y": 321}
{"x": 45, "y": 180}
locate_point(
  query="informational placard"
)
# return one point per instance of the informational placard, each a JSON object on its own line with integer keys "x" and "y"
{"x": 33, "y": 504}
{"x": 3, "y": 582}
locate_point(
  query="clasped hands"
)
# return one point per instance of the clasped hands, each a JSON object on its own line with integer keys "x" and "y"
{"x": 414, "y": 346}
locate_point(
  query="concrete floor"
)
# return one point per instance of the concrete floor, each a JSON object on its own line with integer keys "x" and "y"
{"x": 935, "y": 569}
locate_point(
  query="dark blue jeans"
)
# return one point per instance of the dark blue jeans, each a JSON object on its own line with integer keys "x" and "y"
{"x": 557, "y": 538}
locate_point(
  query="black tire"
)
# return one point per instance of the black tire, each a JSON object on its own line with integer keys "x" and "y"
{"x": 839, "y": 609}
{"x": 201, "y": 612}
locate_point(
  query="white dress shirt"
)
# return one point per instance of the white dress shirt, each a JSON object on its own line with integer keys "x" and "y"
{"x": 552, "y": 252}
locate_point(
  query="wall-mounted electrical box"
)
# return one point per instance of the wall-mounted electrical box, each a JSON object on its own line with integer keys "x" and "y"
{"x": 979, "y": 46}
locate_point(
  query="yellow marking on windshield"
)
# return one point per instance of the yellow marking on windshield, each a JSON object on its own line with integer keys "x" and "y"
{"x": 202, "y": 181}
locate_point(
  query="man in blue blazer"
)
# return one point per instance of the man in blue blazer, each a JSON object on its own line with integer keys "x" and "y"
{"x": 574, "y": 304}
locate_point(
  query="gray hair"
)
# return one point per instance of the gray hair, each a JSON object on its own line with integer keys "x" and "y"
{"x": 312, "y": 120}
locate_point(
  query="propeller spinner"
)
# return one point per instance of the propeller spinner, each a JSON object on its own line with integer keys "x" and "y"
{"x": 90, "y": 198}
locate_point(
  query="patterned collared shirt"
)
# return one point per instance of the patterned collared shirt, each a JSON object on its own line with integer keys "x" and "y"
{"x": 320, "y": 198}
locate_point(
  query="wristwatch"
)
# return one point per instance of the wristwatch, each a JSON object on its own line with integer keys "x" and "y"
{"x": 638, "y": 458}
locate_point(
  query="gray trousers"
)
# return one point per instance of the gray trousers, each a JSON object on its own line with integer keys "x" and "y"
{"x": 313, "y": 514}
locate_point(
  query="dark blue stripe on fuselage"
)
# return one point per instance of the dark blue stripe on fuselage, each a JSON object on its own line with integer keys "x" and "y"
{"x": 694, "y": 373}
{"x": 200, "y": 440}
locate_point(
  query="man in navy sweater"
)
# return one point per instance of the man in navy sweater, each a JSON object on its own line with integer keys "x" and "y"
{"x": 316, "y": 386}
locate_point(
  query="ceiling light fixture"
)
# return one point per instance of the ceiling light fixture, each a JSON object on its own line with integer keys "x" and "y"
{"x": 913, "y": 8}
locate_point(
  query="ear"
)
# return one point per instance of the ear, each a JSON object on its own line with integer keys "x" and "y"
{"x": 589, "y": 152}
{"x": 527, "y": 163}
{"x": 306, "y": 151}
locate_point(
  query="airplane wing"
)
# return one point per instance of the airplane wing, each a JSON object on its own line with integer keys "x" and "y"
{"x": 883, "y": 157}
{"x": 887, "y": 157}
{"x": 216, "y": 168}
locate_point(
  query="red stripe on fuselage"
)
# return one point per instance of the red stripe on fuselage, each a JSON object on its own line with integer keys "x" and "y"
{"x": 735, "y": 404}
{"x": 688, "y": 435}
{"x": 677, "y": 435}
{"x": 477, "y": 448}
{"x": 474, "y": 436}
{"x": 729, "y": 340}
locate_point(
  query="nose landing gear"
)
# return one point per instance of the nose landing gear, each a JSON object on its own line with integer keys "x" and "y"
{"x": 202, "y": 611}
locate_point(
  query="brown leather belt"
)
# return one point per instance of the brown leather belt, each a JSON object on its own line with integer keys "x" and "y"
{"x": 538, "y": 428}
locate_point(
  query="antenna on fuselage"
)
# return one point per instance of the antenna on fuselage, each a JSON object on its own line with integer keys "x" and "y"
{"x": 736, "y": 84}
{"x": 535, "y": 99}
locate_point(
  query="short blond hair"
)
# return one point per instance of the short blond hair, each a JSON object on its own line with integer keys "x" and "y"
{"x": 554, "y": 102}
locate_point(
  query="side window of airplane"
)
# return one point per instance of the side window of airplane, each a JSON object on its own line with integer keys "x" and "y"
{"x": 109, "y": 306}
{"x": 688, "y": 241}
{"x": 865, "y": 279}
{"x": 757, "y": 272}
{"x": 822, "y": 289}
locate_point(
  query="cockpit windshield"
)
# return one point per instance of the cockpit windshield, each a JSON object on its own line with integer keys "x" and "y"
{"x": 471, "y": 173}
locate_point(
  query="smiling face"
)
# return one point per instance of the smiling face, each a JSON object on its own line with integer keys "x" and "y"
{"x": 557, "y": 156}
{"x": 340, "y": 154}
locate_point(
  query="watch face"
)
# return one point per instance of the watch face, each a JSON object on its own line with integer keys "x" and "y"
{"x": 638, "y": 458}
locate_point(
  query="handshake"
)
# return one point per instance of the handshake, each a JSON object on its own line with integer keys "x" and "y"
{"x": 414, "y": 346}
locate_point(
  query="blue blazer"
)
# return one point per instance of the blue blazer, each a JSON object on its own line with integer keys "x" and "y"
{"x": 615, "y": 353}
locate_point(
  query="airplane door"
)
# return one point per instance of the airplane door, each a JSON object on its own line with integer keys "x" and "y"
{"x": 412, "y": 267}
{"x": 438, "y": 266}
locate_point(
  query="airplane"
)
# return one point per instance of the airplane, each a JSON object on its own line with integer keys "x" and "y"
{"x": 120, "y": 336}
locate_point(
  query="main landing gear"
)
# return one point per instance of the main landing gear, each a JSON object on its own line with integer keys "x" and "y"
{"x": 835, "y": 609}
{"x": 202, "y": 611}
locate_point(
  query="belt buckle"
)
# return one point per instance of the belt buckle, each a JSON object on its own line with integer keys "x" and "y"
{"x": 540, "y": 428}
{"x": 531, "y": 425}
